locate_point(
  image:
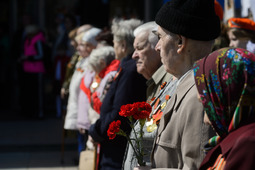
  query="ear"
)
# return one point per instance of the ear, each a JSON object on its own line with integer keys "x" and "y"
{"x": 102, "y": 63}
{"x": 123, "y": 46}
{"x": 181, "y": 43}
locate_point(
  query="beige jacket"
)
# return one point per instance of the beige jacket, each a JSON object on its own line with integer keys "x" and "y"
{"x": 181, "y": 134}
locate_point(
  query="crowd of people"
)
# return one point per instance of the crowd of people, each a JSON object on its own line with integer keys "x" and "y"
{"x": 196, "y": 72}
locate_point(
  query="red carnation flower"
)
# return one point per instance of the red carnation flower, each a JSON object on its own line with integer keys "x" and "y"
{"x": 127, "y": 110}
{"x": 138, "y": 111}
{"x": 114, "y": 128}
{"x": 143, "y": 110}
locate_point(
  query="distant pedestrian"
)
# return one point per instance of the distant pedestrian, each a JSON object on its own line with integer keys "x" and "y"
{"x": 32, "y": 88}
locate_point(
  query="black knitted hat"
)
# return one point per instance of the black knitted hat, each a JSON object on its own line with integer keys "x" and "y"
{"x": 194, "y": 19}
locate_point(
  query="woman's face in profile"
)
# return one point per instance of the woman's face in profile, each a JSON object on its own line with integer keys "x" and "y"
{"x": 119, "y": 48}
{"x": 237, "y": 42}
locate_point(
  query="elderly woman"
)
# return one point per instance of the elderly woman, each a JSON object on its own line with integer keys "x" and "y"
{"x": 225, "y": 81}
{"x": 241, "y": 33}
{"x": 74, "y": 59}
{"x": 102, "y": 67}
{"x": 86, "y": 44}
{"x": 127, "y": 87}
{"x": 105, "y": 66}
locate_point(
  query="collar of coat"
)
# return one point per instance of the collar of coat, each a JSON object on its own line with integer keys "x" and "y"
{"x": 182, "y": 89}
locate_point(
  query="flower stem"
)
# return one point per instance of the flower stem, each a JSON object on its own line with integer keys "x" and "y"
{"x": 139, "y": 155}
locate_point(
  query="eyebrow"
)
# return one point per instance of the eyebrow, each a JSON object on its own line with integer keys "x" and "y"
{"x": 155, "y": 32}
{"x": 141, "y": 44}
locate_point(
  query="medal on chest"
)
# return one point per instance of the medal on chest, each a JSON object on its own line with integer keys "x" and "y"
{"x": 95, "y": 83}
{"x": 158, "y": 107}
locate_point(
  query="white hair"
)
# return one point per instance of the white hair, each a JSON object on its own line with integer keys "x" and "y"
{"x": 105, "y": 53}
{"x": 90, "y": 36}
{"x": 148, "y": 27}
{"x": 123, "y": 30}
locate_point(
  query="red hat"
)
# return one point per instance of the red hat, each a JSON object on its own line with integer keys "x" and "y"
{"x": 218, "y": 9}
{"x": 243, "y": 23}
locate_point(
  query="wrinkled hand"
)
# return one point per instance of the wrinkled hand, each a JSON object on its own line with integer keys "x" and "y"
{"x": 142, "y": 168}
{"x": 92, "y": 140}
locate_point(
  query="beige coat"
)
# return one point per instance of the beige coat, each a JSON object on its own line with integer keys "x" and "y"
{"x": 181, "y": 133}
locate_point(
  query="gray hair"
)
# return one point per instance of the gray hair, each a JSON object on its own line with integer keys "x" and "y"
{"x": 148, "y": 27}
{"x": 123, "y": 30}
{"x": 105, "y": 53}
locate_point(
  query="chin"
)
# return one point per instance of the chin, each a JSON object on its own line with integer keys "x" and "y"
{"x": 139, "y": 71}
{"x": 165, "y": 67}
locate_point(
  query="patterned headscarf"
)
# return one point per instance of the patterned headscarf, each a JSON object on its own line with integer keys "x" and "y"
{"x": 225, "y": 81}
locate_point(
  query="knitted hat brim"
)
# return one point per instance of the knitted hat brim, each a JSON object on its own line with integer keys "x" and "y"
{"x": 190, "y": 26}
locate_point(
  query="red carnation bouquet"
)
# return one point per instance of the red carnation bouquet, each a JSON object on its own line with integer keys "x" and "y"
{"x": 137, "y": 111}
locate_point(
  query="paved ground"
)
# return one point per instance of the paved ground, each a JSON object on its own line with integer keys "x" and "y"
{"x": 35, "y": 144}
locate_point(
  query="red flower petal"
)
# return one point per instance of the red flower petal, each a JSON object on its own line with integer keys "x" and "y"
{"x": 114, "y": 128}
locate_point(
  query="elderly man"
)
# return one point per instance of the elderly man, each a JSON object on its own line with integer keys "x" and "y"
{"x": 148, "y": 64}
{"x": 148, "y": 59}
{"x": 186, "y": 32}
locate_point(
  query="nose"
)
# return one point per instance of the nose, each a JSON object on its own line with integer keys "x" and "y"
{"x": 78, "y": 47}
{"x": 157, "y": 47}
{"x": 231, "y": 44}
{"x": 135, "y": 55}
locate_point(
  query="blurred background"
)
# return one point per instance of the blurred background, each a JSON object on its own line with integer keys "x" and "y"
{"x": 50, "y": 16}
{"x": 28, "y": 141}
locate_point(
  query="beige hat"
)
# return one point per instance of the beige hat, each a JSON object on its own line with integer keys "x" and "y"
{"x": 90, "y": 36}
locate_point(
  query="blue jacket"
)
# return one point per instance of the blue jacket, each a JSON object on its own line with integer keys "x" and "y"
{"x": 127, "y": 88}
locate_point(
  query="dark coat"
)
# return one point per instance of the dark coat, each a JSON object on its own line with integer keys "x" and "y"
{"x": 127, "y": 88}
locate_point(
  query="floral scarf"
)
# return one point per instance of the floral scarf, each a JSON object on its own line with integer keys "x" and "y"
{"x": 225, "y": 81}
